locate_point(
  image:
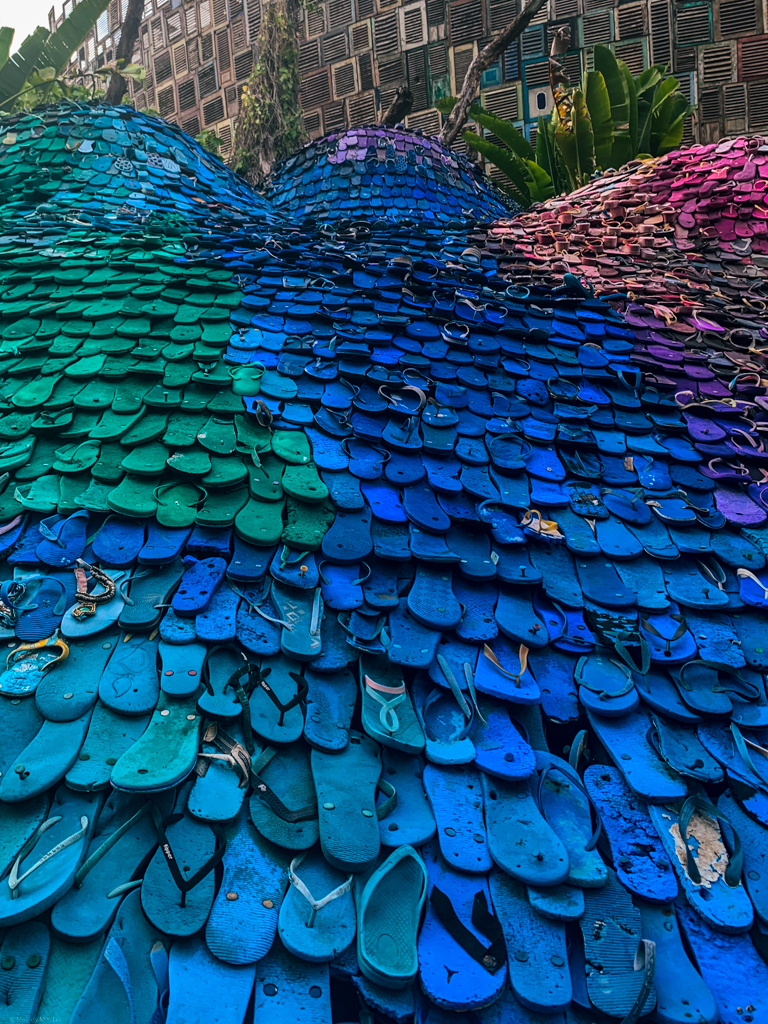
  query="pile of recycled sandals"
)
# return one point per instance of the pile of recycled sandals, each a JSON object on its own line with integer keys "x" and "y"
{"x": 384, "y": 585}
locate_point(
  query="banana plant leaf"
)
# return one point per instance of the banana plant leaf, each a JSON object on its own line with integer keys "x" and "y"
{"x": 615, "y": 83}
{"x": 669, "y": 123}
{"x": 6, "y": 39}
{"x": 649, "y": 79}
{"x": 17, "y": 69}
{"x": 632, "y": 104}
{"x": 599, "y": 107}
{"x": 507, "y": 162}
{"x": 576, "y": 142}
{"x": 508, "y": 134}
{"x": 540, "y": 187}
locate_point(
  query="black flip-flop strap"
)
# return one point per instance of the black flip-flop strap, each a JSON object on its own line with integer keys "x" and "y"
{"x": 271, "y": 799}
{"x": 490, "y": 957}
{"x": 292, "y": 703}
{"x": 185, "y": 884}
{"x": 241, "y": 696}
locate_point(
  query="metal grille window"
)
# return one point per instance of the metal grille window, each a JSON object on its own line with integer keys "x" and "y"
{"x": 734, "y": 102}
{"x": 716, "y": 65}
{"x": 335, "y": 48}
{"x": 180, "y": 60}
{"x": 365, "y": 70}
{"x": 232, "y": 96}
{"x": 311, "y": 122}
{"x": 753, "y": 58}
{"x": 366, "y": 8}
{"x": 340, "y": 13}
{"x": 163, "y": 69}
{"x": 633, "y": 55}
{"x": 391, "y": 72}
{"x": 334, "y": 117}
{"x": 504, "y": 104}
{"x": 360, "y": 36}
{"x": 361, "y": 109}
{"x": 661, "y": 36}
{"x": 438, "y": 61}
{"x": 501, "y": 12}
{"x": 465, "y": 22}
{"x": 193, "y": 55}
{"x": 709, "y": 105}
{"x": 173, "y": 25}
{"x": 224, "y": 132}
{"x": 428, "y": 121}
{"x": 462, "y": 58}
{"x": 213, "y": 110}
{"x": 630, "y": 21}
{"x": 156, "y": 33}
{"x": 566, "y": 8}
{"x": 572, "y": 67}
{"x": 315, "y": 22}
{"x": 344, "y": 83}
{"x": 253, "y": 17}
{"x": 596, "y": 28}
{"x": 190, "y": 19}
{"x": 166, "y": 102}
{"x": 206, "y": 47}
{"x": 315, "y": 90}
{"x": 187, "y": 97}
{"x": 220, "y": 12}
{"x": 205, "y": 14}
{"x": 191, "y": 126}
{"x": 243, "y": 65}
{"x": 757, "y": 104}
{"x": 685, "y": 60}
{"x": 435, "y": 12}
{"x": 537, "y": 74}
{"x": 309, "y": 56}
{"x": 223, "y": 52}
{"x": 385, "y": 33}
{"x": 737, "y": 18}
{"x": 693, "y": 25}
{"x": 533, "y": 42}
{"x": 238, "y": 34}
{"x": 413, "y": 25}
{"x": 206, "y": 81}
{"x": 416, "y": 69}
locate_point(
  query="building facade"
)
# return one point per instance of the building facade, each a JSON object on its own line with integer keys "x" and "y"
{"x": 355, "y": 53}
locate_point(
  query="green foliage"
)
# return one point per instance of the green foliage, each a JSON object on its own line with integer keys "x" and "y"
{"x": 269, "y": 125}
{"x": 209, "y": 140}
{"x": 611, "y": 118}
{"x": 43, "y": 54}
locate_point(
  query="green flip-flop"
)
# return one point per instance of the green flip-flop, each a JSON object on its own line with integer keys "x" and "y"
{"x": 246, "y": 379}
{"x": 135, "y": 496}
{"x": 177, "y": 504}
{"x": 146, "y": 460}
{"x": 292, "y": 446}
{"x": 265, "y": 478}
{"x": 307, "y": 524}
{"x": 166, "y": 752}
{"x": 304, "y": 483}
{"x": 221, "y": 508}
{"x": 260, "y": 522}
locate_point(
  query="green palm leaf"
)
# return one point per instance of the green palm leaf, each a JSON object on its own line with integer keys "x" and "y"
{"x": 577, "y": 142}
{"x": 17, "y": 69}
{"x": 599, "y": 107}
{"x": 506, "y": 162}
{"x": 508, "y": 134}
{"x": 6, "y": 39}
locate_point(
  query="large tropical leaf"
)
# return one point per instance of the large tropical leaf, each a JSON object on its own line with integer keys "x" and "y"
{"x": 6, "y": 39}
{"x": 548, "y": 156}
{"x": 648, "y": 105}
{"x": 18, "y": 68}
{"x": 506, "y": 161}
{"x": 540, "y": 185}
{"x": 45, "y": 50}
{"x": 649, "y": 79}
{"x": 632, "y": 106}
{"x": 507, "y": 133}
{"x": 669, "y": 123}
{"x": 576, "y": 142}
{"x": 599, "y": 107}
{"x": 615, "y": 83}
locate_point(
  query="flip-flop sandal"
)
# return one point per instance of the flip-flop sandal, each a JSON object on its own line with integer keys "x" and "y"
{"x": 668, "y": 636}
{"x": 27, "y": 664}
{"x": 178, "y": 887}
{"x": 44, "y": 869}
{"x": 555, "y": 564}
{"x": 645, "y": 578}
{"x": 166, "y": 752}
{"x": 626, "y": 740}
{"x": 18, "y": 822}
{"x": 277, "y": 700}
{"x": 124, "y": 978}
{"x": 109, "y": 735}
{"x": 446, "y": 718}
{"x": 25, "y": 956}
{"x": 147, "y": 595}
{"x": 387, "y": 712}
{"x": 164, "y": 544}
{"x": 558, "y": 696}
{"x": 753, "y": 838}
{"x": 45, "y": 760}
{"x": 345, "y": 784}
{"x": 696, "y": 584}
{"x": 349, "y": 538}
{"x": 96, "y": 610}
{"x": 283, "y": 804}
{"x": 537, "y": 953}
{"x": 478, "y": 599}
{"x": 63, "y": 540}
{"x": 181, "y": 667}
{"x": 317, "y": 915}
{"x": 566, "y": 806}
{"x": 615, "y": 540}
{"x": 389, "y": 913}
{"x": 745, "y": 773}
{"x": 122, "y": 840}
{"x": 709, "y": 875}
{"x": 340, "y": 585}
{"x": 129, "y": 683}
{"x": 70, "y": 968}
{"x": 202, "y": 989}
{"x": 218, "y": 623}
{"x": 462, "y": 958}
{"x": 301, "y": 615}
{"x": 285, "y": 984}
{"x": 601, "y": 584}
{"x": 174, "y": 630}
{"x": 502, "y": 671}
{"x": 71, "y": 689}
{"x": 613, "y": 939}
{"x": 709, "y": 688}
{"x": 606, "y": 685}
{"x": 35, "y": 606}
{"x": 223, "y": 774}
{"x": 330, "y": 705}
{"x": 455, "y": 796}
{"x": 642, "y": 864}
{"x": 750, "y": 628}
{"x": 411, "y": 821}
{"x": 501, "y": 748}
{"x": 680, "y": 989}
{"x": 243, "y": 920}
{"x": 198, "y": 585}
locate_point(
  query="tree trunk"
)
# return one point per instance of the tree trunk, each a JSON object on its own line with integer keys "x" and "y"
{"x": 489, "y": 53}
{"x": 118, "y": 86}
{"x": 399, "y": 108}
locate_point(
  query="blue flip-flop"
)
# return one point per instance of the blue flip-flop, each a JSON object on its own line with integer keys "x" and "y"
{"x": 559, "y": 698}
{"x": 283, "y": 805}
{"x": 286, "y": 987}
{"x": 63, "y": 539}
{"x": 446, "y": 718}
{"x": 202, "y": 989}
{"x": 124, "y": 978}
{"x": 331, "y": 701}
{"x": 462, "y": 958}
{"x": 198, "y": 585}
{"x": 45, "y": 760}
{"x": 502, "y": 671}
{"x": 181, "y": 667}
{"x": 217, "y": 624}
{"x": 222, "y": 774}
{"x": 38, "y": 604}
{"x": 25, "y": 955}
{"x": 537, "y": 954}
{"x": 241, "y": 930}
{"x": 71, "y": 688}
{"x": 130, "y": 683}
{"x": 456, "y": 798}
{"x": 163, "y": 544}
{"x": 118, "y": 542}
{"x": 42, "y": 873}
{"x": 501, "y": 748}
{"x": 317, "y": 915}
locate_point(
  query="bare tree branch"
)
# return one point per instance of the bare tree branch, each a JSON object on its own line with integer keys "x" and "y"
{"x": 489, "y": 53}
{"x": 399, "y": 108}
{"x": 129, "y": 33}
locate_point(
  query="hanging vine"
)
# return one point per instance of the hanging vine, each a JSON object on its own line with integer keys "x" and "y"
{"x": 269, "y": 123}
